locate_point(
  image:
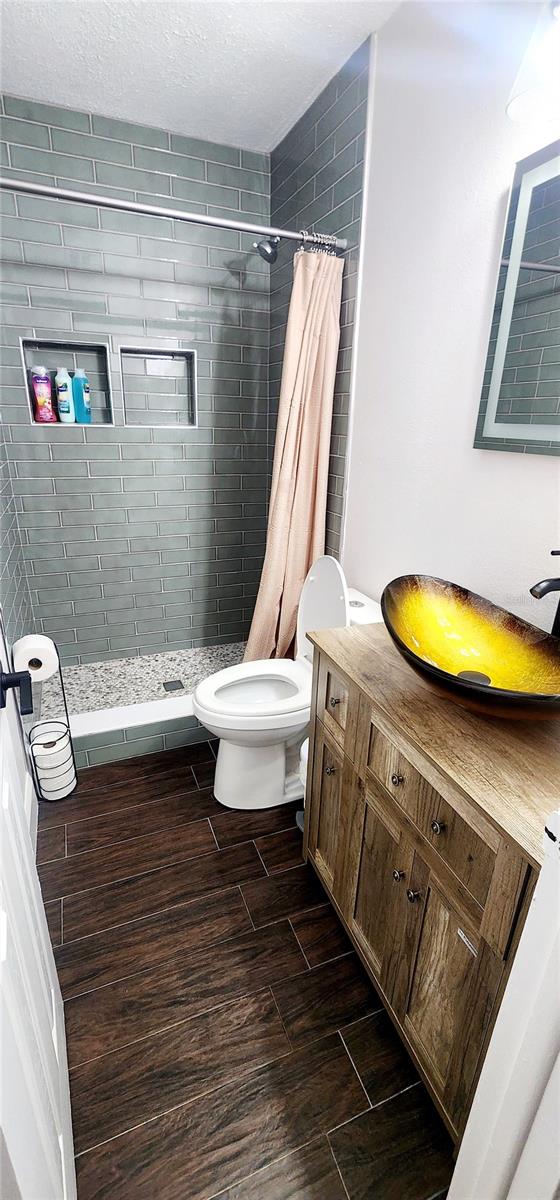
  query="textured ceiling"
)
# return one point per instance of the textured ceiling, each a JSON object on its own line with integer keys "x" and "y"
{"x": 236, "y": 72}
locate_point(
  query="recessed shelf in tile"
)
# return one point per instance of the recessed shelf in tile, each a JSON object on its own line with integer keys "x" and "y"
{"x": 159, "y": 387}
{"x": 92, "y": 356}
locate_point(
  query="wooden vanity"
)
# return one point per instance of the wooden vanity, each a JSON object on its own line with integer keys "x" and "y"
{"x": 425, "y": 825}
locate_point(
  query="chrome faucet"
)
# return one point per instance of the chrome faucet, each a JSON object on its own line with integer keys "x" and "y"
{"x": 542, "y": 589}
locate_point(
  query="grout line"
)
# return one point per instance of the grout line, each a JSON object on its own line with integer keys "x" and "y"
{"x": 212, "y": 832}
{"x": 299, "y": 943}
{"x": 66, "y": 841}
{"x": 347, "y": 1193}
{"x": 408, "y": 1088}
{"x": 62, "y": 922}
{"x": 372, "y": 1107}
{"x": 267, "y": 872}
{"x": 362, "y": 1084}
{"x": 247, "y": 907}
{"x": 275, "y": 1002}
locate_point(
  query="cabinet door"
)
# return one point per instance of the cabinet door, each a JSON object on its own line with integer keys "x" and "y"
{"x": 378, "y": 913}
{"x": 452, "y": 983}
{"x": 324, "y": 805}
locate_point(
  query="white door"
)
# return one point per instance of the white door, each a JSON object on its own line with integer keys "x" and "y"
{"x": 37, "y": 1150}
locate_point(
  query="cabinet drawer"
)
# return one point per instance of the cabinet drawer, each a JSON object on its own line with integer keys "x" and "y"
{"x": 333, "y": 701}
{"x": 471, "y": 857}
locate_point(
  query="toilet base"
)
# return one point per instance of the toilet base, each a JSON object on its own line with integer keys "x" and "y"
{"x": 249, "y": 777}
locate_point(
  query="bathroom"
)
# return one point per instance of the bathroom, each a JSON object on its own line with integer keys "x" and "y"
{"x": 343, "y": 372}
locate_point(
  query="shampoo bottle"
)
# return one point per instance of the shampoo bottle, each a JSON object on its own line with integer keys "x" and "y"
{"x": 82, "y": 403}
{"x": 64, "y": 398}
{"x": 42, "y": 395}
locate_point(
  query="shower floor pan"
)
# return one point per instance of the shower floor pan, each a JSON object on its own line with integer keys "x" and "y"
{"x": 126, "y": 692}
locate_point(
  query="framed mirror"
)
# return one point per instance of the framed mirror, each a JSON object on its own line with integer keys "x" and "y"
{"x": 520, "y": 402}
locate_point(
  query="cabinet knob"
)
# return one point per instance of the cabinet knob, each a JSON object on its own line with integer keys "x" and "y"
{"x": 396, "y": 780}
{"x": 437, "y": 827}
{"x": 398, "y": 875}
{"x": 334, "y": 700}
{"x": 412, "y": 896}
{"x": 330, "y": 770}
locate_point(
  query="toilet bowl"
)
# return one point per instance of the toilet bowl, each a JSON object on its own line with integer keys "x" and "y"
{"x": 260, "y": 710}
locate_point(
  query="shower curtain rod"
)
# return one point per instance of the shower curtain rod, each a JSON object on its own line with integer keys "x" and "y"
{"x": 153, "y": 210}
{"x": 548, "y": 268}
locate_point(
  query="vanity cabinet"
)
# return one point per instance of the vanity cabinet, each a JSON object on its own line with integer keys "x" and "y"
{"x": 431, "y": 888}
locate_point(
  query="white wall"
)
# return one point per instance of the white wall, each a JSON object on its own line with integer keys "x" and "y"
{"x": 442, "y": 154}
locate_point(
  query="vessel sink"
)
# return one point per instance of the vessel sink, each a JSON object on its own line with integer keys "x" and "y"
{"x": 479, "y": 654}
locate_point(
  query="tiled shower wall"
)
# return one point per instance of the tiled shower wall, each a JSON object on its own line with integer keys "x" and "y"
{"x": 15, "y": 599}
{"x": 316, "y": 181}
{"x": 137, "y": 539}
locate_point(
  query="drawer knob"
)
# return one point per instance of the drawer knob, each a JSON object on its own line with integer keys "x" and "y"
{"x": 437, "y": 827}
{"x": 330, "y": 770}
{"x": 334, "y": 700}
{"x": 396, "y": 780}
{"x": 398, "y": 875}
{"x": 412, "y": 896}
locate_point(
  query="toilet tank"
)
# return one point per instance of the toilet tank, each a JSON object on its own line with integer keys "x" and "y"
{"x": 362, "y": 610}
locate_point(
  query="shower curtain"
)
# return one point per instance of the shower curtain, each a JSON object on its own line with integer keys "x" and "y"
{"x": 298, "y": 497}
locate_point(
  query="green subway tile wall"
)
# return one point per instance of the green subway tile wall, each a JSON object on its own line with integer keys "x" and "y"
{"x": 316, "y": 182}
{"x": 15, "y": 598}
{"x": 135, "y": 539}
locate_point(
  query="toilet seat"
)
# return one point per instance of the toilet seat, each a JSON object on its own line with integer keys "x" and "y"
{"x": 268, "y": 693}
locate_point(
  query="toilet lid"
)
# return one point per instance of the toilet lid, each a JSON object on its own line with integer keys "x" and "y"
{"x": 323, "y": 603}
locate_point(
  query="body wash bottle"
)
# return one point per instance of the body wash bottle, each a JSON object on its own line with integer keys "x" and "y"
{"x": 82, "y": 403}
{"x": 42, "y": 396}
{"x": 64, "y": 398}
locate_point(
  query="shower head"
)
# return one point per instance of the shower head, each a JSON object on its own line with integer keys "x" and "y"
{"x": 268, "y": 248}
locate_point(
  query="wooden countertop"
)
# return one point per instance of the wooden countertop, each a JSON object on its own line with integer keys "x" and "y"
{"x": 509, "y": 769}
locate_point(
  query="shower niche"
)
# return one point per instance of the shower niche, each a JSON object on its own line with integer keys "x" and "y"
{"x": 92, "y": 356}
{"x": 158, "y": 387}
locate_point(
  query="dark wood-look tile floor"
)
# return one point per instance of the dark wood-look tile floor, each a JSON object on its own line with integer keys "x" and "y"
{"x": 223, "y": 1038}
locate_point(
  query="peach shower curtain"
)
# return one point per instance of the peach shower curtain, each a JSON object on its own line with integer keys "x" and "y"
{"x": 298, "y": 497}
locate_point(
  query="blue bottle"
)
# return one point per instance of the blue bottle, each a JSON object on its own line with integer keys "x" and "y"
{"x": 81, "y": 397}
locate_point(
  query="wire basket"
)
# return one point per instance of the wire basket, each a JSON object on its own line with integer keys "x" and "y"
{"x": 52, "y": 758}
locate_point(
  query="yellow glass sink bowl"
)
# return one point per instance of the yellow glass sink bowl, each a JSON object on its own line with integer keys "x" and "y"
{"x": 485, "y": 657}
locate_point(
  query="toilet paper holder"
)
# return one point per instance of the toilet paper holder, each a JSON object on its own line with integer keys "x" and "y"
{"x": 21, "y": 680}
{"x": 51, "y": 750}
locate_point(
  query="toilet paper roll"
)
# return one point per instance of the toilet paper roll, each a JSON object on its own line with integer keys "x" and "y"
{"x": 64, "y": 786}
{"x": 363, "y": 610}
{"x": 57, "y": 758}
{"x": 36, "y": 654}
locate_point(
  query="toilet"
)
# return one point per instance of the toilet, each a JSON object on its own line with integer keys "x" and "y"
{"x": 260, "y": 710}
